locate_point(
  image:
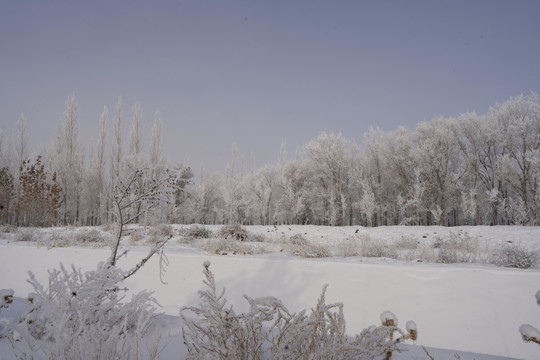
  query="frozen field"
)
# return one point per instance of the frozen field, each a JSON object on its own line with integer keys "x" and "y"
{"x": 472, "y": 307}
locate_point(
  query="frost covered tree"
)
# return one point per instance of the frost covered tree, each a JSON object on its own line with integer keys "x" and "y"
{"x": 95, "y": 194}
{"x": 116, "y": 153}
{"x": 116, "y": 144}
{"x": 329, "y": 155}
{"x": 157, "y": 161}
{"x": 6, "y": 194}
{"x": 127, "y": 196}
{"x": 40, "y": 196}
{"x": 265, "y": 185}
{"x": 519, "y": 118}
{"x": 440, "y": 166}
{"x": 21, "y": 155}
{"x": 481, "y": 145}
{"x": 367, "y": 204}
{"x": 375, "y": 174}
{"x": 204, "y": 205}
{"x": 232, "y": 192}
{"x": 135, "y": 156}
{"x": 403, "y": 176}
{"x": 297, "y": 193}
{"x": 135, "y": 145}
{"x": 68, "y": 162}
{"x": 158, "y": 167}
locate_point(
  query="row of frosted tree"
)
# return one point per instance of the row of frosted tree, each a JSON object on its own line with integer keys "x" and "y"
{"x": 469, "y": 170}
{"x": 60, "y": 186}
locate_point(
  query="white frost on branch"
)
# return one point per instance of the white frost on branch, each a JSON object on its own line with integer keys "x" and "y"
{"x": 270, "y": 331}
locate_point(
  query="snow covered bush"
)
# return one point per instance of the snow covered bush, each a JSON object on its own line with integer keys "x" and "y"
{"x": 234, "y": 247}
{"x": 89, "y": 236}
{"x": 213, "y": 330}
{"x": 55, "y": 238}
{"x": 348, "y": 247}
{"x": 28, "y": 234}
{"x": 460, "y": 247}
{"x": 83, "y": 315}
{"x": 108, "y": 227}
{"x": 298, "y": 239}
{"x": 136, "y": 236}
{"x": 516, "y": 256}
{"x": 233, "y": 232}
{"x": 407, "y": 242}
{"x": 310, "y": 250}
{"x": 196, "y": 232}
{"x": 161, "y": 230}
{"x": 257, "y": 237}
{"x": 377, "y": 248}
{"x": 424, "y": 252}
{"x": 447, "y": 254}
{"x": 298, "y": 245}
{"x": 8, "y": 229}
{"x": 528, "y": 332}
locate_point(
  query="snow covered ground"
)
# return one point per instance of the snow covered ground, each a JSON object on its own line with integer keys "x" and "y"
{"x": 469, "y": 307}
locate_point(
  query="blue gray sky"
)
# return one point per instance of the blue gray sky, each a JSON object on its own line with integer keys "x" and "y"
{"x": 256, "y": 72}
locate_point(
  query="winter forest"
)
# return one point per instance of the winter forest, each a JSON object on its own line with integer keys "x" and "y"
{"x": 473, "y": 169}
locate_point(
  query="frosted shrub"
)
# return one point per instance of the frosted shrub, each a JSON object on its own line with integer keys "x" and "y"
{"x": 108, "y": 227}
{"x": 377, "y": 248}
{"x": 448, "y": 255}
{"x": 460, "y": 247}
{"x": 161, "y": 230}
{"x": 196, "y": 232}
{"x": 269, "y": 330}
{"x": 8, "y": 229}
{"x": 257, "y": 237}
{"x": 348, "y": 247}
{"x": 136, "y": 236}
{"x": 516, "y": 256}
{"x": 310, "y": 250}
{"x": 407, "y": 242}
{"x": 91, "y": 236}
{"x": 233, "y": 247}
{"x": 424, "y": 252}
{"x": 28, "y": 234}
{"x": 55, "y": 238}
{"x": 298, "y": 239}
{"x": 81, "y": 316}
{"x": 233, "y": 232}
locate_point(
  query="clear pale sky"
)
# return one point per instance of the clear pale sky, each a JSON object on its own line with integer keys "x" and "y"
{"x": 256, "y": 72}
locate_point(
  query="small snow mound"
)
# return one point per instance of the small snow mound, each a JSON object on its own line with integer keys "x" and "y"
{"x": 529, "y": 333}
{"x": 410, "y": 326}
{"x": 6, "y": 297}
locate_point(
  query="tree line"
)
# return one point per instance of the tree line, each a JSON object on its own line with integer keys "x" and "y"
{"x": 471, "y": 169}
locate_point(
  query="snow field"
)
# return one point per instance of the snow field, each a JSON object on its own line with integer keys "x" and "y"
{"x": 467, "y": 307}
